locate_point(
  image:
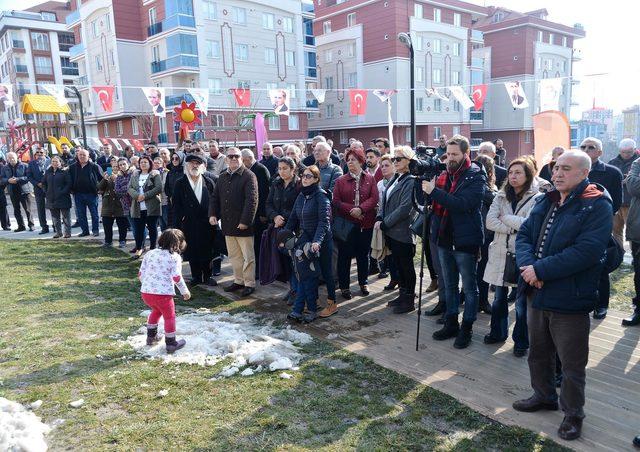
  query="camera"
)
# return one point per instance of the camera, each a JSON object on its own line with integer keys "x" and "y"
{"x": 427, "y": 165}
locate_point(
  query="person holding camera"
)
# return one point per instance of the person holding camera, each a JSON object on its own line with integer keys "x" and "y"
{"x": 394, "y": 219}
{"x": 457, "y": 195}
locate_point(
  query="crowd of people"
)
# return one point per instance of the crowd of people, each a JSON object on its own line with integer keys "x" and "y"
{"x": 545, "y": 238}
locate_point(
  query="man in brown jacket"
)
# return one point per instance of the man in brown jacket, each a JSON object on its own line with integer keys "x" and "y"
{"x": 235, "y": 202}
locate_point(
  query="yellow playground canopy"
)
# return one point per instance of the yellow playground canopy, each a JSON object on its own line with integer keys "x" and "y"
{"x": 41, "y": 103}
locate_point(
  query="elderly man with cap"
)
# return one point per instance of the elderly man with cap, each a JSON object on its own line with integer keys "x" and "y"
{"x": 191, "y": 197}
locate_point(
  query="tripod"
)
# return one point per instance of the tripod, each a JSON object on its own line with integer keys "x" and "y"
{"x": 425, "y": 212}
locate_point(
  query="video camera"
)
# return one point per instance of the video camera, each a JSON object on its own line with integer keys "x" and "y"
{"x": 427, "y": 165}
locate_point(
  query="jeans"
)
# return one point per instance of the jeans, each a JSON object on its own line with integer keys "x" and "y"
{"x": 457, "y": 264}
{"x": 403, "y": 259}
{"x": 500, "y": 315}
{"x": 358, "y": 245}
{"x": 164, "y": 219}
{"x": 107, "y": 223}
{"x": 520, "y": 333}
{"x": 307, "y": 292}
{"x": 151, "y": 222}
{"x": 59, "y": 216}
{"x": 90, "y": 201}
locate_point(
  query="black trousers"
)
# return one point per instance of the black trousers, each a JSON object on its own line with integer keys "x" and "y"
{"x": 403, "y": 255}
{"x": 200, "y": 270}
{"x": 433, "y": 275}
{"x": 604, "y": 289}
{"x": 23, "y": 201}
{"x": 123, "y": 225}
{"x": 5, "y": 222}
{"x": 635, "y": 253}
{"x": 40, "y": 207}
{"x": 258, "y": 228}
{"x": 358, "y": 245}
{"x": 151, "y": 222}
{"x": 483, "y": 287}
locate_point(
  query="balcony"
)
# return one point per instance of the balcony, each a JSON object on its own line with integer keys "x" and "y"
{"x": 476, "y": 115}
{"x": 477, "y": 36}
{"x": 312, "y": 103}
{"x": 76, "y": 50}
{"x": 576, "y": 55}
{"x": 73, "y": 17}
{"x": 17, "y": 44}
{"x": 21, "y": 69}
{"x": 83, "y": 80}
{"x": 172, "y": 101}
{"x": 311, "y": 72}
{"x": 175, "y": 21}
{"x": 177, "y": 61}
{"x": 64, "y": 47}
{"x": 309, "y": 40}
{"x": 70, "y": 71}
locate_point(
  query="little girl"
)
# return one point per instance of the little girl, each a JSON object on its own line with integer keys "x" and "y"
{"x": 160, "y": 270}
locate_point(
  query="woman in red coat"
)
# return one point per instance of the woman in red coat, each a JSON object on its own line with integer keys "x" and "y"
{"x": 355, "y": 197}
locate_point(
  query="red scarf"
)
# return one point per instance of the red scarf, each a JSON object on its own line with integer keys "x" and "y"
{"x": 448, "y": 181}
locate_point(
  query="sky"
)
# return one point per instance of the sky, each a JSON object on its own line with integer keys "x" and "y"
{"x": 610, "y": 46}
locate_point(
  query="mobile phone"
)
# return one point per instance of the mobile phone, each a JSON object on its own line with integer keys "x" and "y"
{"x": 109, "y": 171}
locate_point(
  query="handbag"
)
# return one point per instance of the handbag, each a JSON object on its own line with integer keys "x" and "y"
{"x": 342, "y": 228}
{"x": 511, "y": 271}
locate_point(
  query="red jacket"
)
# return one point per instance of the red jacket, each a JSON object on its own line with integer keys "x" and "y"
{"x": 344, "y": 194}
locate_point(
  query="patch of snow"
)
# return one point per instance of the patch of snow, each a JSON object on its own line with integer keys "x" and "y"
{"x": 35, "y": 405}
{"x": 20, "y": 429}
{"x": 286, "y": 376}
{"x": 163, "y": 393}
{"x": 244, "y": 338}
{"x": 77, "y": 403}
{"x": 144, "y": 385}
{"x": 247, "y": 372}
{"x": 333, "y": 336}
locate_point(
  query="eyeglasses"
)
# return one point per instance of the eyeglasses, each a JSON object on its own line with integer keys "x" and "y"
{"x": 398, "y": 159}
{"x": 233, "y": 156}
{"x": 589, "y": 147}
{"x": 308, "y": 176}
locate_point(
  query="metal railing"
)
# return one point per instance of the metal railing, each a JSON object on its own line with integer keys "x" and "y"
{"x": 76, "y": 50}
{"x": 175, "y": 21}
{"x": 70, "y": 71}
{"x": 73, "y": 17}
{"x": 22, "y": 68}
{"x": 174, "y": 62}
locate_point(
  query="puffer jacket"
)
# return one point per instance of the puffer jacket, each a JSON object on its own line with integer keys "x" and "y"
{"x": 310, "y": 215}
{"x": 505, "y": 225}
{"x": 111, "y": 205}
{"x": 57, "y": 188}
{"x": 574, "y": 251}
{"x": 281, "y": 199}
{"x": 344, "y": 199}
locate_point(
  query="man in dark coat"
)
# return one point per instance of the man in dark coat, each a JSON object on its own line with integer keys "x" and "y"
{"x": 35, "y": 174}
{"x": 191, "y": 197}
{"x": 5, "y": 222}
{"x": 68, "y": 156}
{"x": 261, "y": 221}
{"x": 623, "y": 162}
{"x": 14, "y": 177}
{"x": 546, "y": 172}
{"x": 610, "y": 178}
{"x": 501, "y": 153}
{"x": 104, "y": 161}
{"x": 235, "y": 202}
{"x": 560, "y": 251}
{"x": 489, "y": 149}
{"x": 269, "y": 160}
{"x": 85, "y": 176}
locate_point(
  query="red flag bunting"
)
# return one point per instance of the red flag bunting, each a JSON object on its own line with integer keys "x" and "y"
{"x": 105, "y": 96}
{"x": 478, "y": 96}
{"x": 137, "y": 145}
{"x": 243, "y": 96}
{"x": 358, "y": 98}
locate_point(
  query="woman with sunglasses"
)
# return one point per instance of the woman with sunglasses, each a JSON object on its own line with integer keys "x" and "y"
{"x": 176, "y": 171}
{"x": 394, "y": 219}
{"x": 310, "y": 221}
{"x": 145, "y": 188}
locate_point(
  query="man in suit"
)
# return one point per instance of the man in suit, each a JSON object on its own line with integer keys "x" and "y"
{"x": 14, "y": 177}
{"x": 489, "y": 149}
{"x": 35, "y": 174}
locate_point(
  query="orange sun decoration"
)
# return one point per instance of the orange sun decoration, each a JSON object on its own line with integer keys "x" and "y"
{"x": 188, "y": 116}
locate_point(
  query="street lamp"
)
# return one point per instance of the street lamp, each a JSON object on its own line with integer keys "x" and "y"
{"x": 405, "y": 38}
{"x": 84, "y": 129}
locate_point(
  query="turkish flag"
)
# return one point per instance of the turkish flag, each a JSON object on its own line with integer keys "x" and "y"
{"x": 243, "y": 96}
{"x": 104, "y": 141}
{"x": 105, "y": 96}
{"x": 137, "y": 145}
{"x": 358, "y": 99}
{"x": 479, "y": 95}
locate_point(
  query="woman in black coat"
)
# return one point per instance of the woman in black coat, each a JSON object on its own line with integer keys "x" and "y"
{"x": 191, "y": 216}
{"x": 57, "y": 188}
{"x": 176, "y": 172}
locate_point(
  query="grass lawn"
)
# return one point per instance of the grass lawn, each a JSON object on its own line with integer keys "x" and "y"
{"x": 61, "y": 302}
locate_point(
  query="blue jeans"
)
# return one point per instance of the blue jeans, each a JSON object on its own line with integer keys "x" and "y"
{"x": 307, "y": 292}
{"x": 84, "y": 201}
{"x": 520, "y": 333}
{"x": 500, "y": 315}
{"x": 456, "y": 264}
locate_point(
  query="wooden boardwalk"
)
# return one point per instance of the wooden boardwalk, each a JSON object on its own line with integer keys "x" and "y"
{"x": 487, "y": 378}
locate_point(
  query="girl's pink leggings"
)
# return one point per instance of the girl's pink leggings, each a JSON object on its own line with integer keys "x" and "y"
{"x": 161, "y": 306}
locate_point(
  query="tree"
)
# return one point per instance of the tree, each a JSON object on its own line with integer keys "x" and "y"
{"x": 146, "y": 122}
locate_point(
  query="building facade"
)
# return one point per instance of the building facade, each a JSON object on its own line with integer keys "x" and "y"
{"x": 631, "y": 123}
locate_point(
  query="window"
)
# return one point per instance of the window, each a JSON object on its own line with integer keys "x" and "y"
{"x": 153, "y": 16}
{"x": 456, "y": 130}
{"x": 352, "y": 80}
{"x": 119, "y": 130}
{"x": 328, "y": 82}
{"x": 564, "y": 41}
{"x": 269, "y": 56}
{"x": 242, "y": 52}
{"x": 155, "y": 53}
{"x": 457, "y": 20}
{"x": 455, "y": 77}
{"x": 217, "y": 120}
{"x": 527, "y": 136}
{"x": 419, "y": 74}
{"x": 437, "y": 15}
{"x": 40, "y": 41}
{"x": 292, "y": 90}
{"x": 550, "y": 38}
{"x": 456, "y": 49}
{"x": 417, "y": 44}
{"x": 328, "y": 56}
{"x": 437, "y": 46}
{"x": 98, "y": 63}
{"x": 274, "y": 123}
{"x": 94, "y": 28}
{"x": 326, "y": 27}
{"x": 294, "y": 122}
{"x": 329, "y": 111}
{"x": 105, "y": 129}
{"x": 213, "y": 49}
{"x": 540, "y": 35}
{"x": 239, "y": 15}
{"x": 48, "y": 16}
{"x": 43, "y": 65}
{"x": 344, "y": 137}
{"x": 456, "y": 105}
{"x": 271, "y": 86}
{"x": 437, "y": 105}
{"x": 564, "y": 66}
{"x": 290, "y": 57}
{"x": 419, "y": 104}
{"x": 418, "y": 11}
{"x": 210, "y": 11}
{"x": 215, "y": 86}
{"x": 107, "y": 21}
{"x": 244, "y": 84}
{"x": 437, "y": 132}
{"x": 351, "y": 19}
{"x": 287, "y": 24}
{"x": 351, "y": 50}
{"x": 437, "y": 76}
{"x": 135, "y": 130}
{"x": 548, "y": 64}
{"x": 268, "y": 21}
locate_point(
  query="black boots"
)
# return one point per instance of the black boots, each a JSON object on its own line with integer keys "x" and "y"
{"x": 173, "y": 344}
{"x": 438, "y": 309}
{"x": 449, "y": 330}
{"x": 405, "y": 304}
{"x": 396, "y": 301}
{"x": 152, "y": 335}
{"x": 485, "y": 307}
{"x": 464, "y": 335}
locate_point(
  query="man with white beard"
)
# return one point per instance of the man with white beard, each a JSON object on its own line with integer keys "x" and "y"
{"x": 191, "y": 197}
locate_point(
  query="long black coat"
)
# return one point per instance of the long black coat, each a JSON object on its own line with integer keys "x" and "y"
{"x": 192, "y": 218}
{"x": 281, "y": 199}
{"x": 57, "y": 188}
{"x": 264, "y": 184}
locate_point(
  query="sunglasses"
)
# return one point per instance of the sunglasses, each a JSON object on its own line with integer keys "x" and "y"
{"x": 308, "y": 176}
{"x": 398, "y": 159}
{"x": 590, "y": 147}
{"x": 233, "y": 156}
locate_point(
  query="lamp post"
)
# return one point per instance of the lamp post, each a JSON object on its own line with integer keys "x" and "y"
{"x": 405, "y": 38}
{"x": 84, "y": 130}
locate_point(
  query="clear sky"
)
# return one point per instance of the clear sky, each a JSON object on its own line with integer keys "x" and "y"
{"x": 610, "y": 46}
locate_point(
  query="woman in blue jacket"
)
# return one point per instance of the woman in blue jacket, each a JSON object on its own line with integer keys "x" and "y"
{"x": 310, "y": 221}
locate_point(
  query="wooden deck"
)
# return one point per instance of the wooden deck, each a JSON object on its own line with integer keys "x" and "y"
{"x": 487, "y": 378}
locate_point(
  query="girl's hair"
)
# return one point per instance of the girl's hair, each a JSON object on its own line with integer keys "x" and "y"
{"x": 315, "y": 171}
{"x": 489, "y": 167}
{"x": 172, "y": 240}
{"x": 529, "y": 172}
{"x": 288, "y": 161}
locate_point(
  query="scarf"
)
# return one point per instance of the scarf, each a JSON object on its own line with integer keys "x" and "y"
{"x": 308, "y": 191}
{"x": 448, "y": 181}
{"x": 196, "y": 187}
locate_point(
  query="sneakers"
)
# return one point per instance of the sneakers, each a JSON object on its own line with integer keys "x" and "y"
{"x": 57, "y": 236}
{"x": 247, "y": 291}
{"x": 83, "y": 234}
{"x": 346, "y": 294}
{"x": 310, "y": 317}
{"x": 295, "y": 317}
{"x": 364, "y": 290}
{"x": 122, "y": 244}
{"x": 172, "y": 344}
{"x": 489, "y": 339}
